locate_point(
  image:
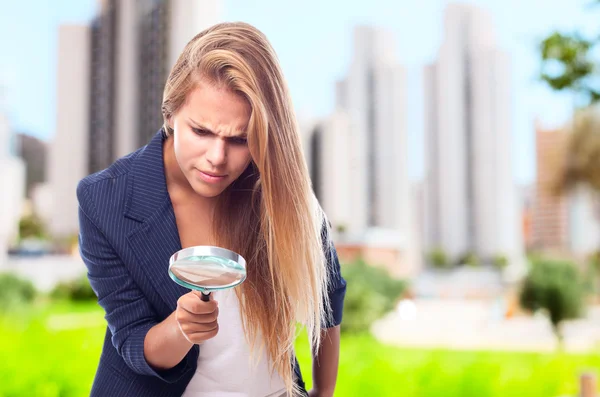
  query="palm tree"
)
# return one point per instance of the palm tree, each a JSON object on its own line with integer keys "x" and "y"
{"x": 582, "y": 163}
{"x": 568, "y": 64}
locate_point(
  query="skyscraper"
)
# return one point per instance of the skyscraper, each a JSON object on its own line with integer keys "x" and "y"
{"x": 550, "y": 211}
{"x": 373, "y": 97}
{"x": 68, "y": 158}
{"x": 134, "y": 46}
{"x": 358, "y": 159}
{"x": 329, "y": 148}
{"x": 471, "y": 195}
{"x": 33, "y": 152}
{"x": 121, "y": 63}
{"x": 12, "y": 186}
{"x": 102, "y": 85}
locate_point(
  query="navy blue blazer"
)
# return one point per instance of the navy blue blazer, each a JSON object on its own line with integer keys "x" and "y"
{"x": 127, "y": 235}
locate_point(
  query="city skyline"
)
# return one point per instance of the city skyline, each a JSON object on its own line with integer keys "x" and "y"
{"x": 327, "y": 39}
{"x": 111, "y": 76}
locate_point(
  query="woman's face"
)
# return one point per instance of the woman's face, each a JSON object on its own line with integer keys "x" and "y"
{"x": 210, "y": 138}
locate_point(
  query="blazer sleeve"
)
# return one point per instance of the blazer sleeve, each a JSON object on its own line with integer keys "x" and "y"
{"x": 336, "y": 290}
{"x": 128, "y": 313}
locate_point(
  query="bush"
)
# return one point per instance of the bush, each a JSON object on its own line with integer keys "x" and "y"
{"x": 371, "y": 293}
{"x": 438, "y": 258}
{"x": 594, "y": 264}
{"x": 75, "y": 290}
{"x": 15, "y": 291}
{"x": 468, "y": 259}
{"x": 32, "y": 227}
{"x": 556, "y": 288}
{"x": 500, "y": 261}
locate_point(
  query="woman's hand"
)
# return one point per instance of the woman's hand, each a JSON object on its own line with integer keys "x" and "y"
{"x": 197, "y": 319}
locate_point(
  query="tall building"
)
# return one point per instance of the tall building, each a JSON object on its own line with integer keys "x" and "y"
{"x": 550, "y": 223}
{"x": 471, "y": 196}
{"x": 373, "y": 96}
{"x": 584, "y": 222}
{"x": 121, "y": 65}
{"x": 358, "y": 160}
{"x": 134, "y": 45}
{"x": 68, "y": 159}
{"x": 328, "y": 147}
{"x": 33, "y": 151}
{"x": 12, "y": 188}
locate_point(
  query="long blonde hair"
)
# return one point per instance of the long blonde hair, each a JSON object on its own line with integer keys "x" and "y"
{"x": 269, "y": 214}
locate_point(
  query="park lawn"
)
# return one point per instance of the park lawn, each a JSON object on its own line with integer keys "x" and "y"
{"x": 53, "y": 349}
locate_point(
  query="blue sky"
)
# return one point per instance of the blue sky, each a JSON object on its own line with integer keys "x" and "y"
{"x": 313, "y": 41}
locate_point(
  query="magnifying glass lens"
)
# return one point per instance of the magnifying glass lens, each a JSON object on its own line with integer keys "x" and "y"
{"x": 207, "y": 269}
{"x": 209, "y": 272}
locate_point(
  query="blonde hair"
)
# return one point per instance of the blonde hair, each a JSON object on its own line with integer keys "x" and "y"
{"x": 269, "y": 215}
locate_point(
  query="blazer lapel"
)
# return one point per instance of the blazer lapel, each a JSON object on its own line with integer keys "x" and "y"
{"x": 156, "y": 238}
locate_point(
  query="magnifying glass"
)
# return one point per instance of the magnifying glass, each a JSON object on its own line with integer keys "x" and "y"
{"x": 207, "y": 268}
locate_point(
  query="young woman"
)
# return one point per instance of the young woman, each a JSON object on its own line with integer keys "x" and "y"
{"x": 225, "y": 169}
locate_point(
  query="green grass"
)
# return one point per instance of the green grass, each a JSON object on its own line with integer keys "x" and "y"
{"x": 368, "y": 368}
{"x": 43, "y": 359}
{"x": 53, "y": 351}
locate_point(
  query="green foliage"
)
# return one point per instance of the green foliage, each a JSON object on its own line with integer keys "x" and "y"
{"x": 32, "y": 227}
{"x": 592, "y": 279}
{"x": 567, "y": 61}
{"x": 438, "y": 258}
{"x": 469, "y": 259}
{"x": 500, "y": 261}
{"x": 15, "y": 292}
{"x": 341, "y": 228}
{"x": 556, "y": 288}
{"x": 75, "y": 290}
{"x": 371, "y": 293}
{"x": 568, "y": 64}
{"x": 594, "y": 260}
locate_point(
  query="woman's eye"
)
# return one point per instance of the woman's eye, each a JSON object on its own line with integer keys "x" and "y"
{"x": 201, "y": 132}
{"x": 239, "y": 141}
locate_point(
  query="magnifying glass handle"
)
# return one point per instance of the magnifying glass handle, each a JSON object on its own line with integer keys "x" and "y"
{"x": 205, "y": 296}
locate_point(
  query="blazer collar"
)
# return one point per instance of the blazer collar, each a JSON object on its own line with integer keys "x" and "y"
{"x": 147, "y": 190}
{"x": 157, "y": 237}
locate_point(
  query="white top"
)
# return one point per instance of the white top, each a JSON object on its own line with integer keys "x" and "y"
{"x": 225, "y": 368}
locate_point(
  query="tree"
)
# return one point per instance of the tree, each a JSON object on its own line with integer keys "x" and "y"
{"x": 371, "y": 293}
{"x": 31, "y": 227}
{"x": 556, "y": 288}
{"x": 568, "y": 64}
{"x": 582, "y": 164}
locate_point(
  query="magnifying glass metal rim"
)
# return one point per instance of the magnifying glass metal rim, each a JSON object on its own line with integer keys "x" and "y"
{"x": 204, "y": 250}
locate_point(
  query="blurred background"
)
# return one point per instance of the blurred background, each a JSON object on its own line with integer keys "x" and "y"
{"x": 455, "y": 147}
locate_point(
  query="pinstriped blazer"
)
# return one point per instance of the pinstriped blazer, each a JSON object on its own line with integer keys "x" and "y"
{"x": 127, "y": 235}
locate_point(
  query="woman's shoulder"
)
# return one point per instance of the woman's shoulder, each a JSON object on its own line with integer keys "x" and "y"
{"x": 107, "y": 183}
